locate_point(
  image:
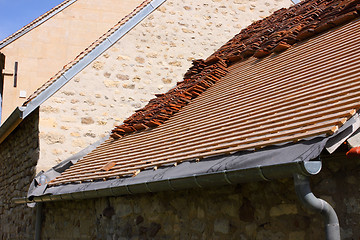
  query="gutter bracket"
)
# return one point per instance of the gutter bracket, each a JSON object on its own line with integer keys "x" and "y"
{"x": 127, "y": 189}
{"x": 147, "y": 187}
{"x": 227, "y": 178}
{"x": 261, "y": 174}
{"x": 196, "y": 181}
{"x": 170, "y": 185}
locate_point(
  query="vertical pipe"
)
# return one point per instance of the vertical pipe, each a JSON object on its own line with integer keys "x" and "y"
{"x": 38, "y": 222}
{"x": 15, "y": 74}
{"x": 308, "y": 199}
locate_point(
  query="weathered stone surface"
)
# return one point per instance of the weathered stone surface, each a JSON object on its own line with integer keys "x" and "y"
{"x": 52, "y": 137}
{"x": 122, "y": 76}
{"x": 111, "y": 83}
{"x": 140, "y": 60}
{"x": 283, "y": 209}
{"x": 221, "y": 226}
{"x": 98, "y": 65}
{"x": 87, "y": 120}
{"x": 300, "y": 235}
{"x": 18, "y": 159}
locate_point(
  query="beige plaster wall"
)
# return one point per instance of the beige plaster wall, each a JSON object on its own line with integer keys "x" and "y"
{"x": 42, "y": 52}
{"x": 150, "y": 59}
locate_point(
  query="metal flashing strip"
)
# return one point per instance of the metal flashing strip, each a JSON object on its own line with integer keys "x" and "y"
{"x": 31, "y": 26}
{"x": 271, "y": 172}
{"x": 91, "y": 56}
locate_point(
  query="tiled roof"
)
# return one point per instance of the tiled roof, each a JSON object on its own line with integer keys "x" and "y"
{"x": 88, "y": 50}
{"x": 36, "y": 22}
{"x": 307, "y": 91}
{"x": 273, "y": 34}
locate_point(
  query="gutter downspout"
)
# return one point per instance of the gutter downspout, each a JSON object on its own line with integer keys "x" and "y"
{"x": 308, "y": 199}
{"x": 38, "y": 222}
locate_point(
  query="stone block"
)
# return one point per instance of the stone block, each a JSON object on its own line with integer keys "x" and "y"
{"x": 48, "y": 122}
{"x": 87, "y": 120}
{"x": 111, "y": 83}
{"x": 122, "y": 76}
{"x": 97, "y": 65}
{"x": 222, "y": 226}
{"x": 283, "y": 209}
{"x": 52, "y": 137}
{"x": 299, "y": 235}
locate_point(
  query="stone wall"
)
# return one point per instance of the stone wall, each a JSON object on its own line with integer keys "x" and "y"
{"x": 259, "y": 210}
{"x": 150, "y": 59}
{"x": 19, "y": 154}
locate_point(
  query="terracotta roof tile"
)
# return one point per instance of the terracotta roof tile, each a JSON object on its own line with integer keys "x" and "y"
{"x": 310, "y": 90}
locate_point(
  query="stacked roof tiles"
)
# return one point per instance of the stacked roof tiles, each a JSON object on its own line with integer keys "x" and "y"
{"x": 309, "y": 90}
{"x": 273, "y": 34}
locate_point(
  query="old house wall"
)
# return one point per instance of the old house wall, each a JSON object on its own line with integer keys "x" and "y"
{"x": 43, "y": 51}
{"x": 19, "y": 154}
{"x": 259, "y": 210}
{"x": 150, "y": 59}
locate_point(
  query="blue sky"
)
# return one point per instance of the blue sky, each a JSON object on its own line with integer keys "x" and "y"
{"x": 14, "y": 14}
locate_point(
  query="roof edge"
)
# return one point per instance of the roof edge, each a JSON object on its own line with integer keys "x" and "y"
{"x": 11, "y": 123}
{"x": 226, "y": 177}
{"x": 37, "y": 22}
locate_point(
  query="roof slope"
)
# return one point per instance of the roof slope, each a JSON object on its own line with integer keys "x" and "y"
{"x": 275, "y": 33}
{"x": 309, "y": 90}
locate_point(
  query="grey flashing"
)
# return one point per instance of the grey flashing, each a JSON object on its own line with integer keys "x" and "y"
{"x": 180, "y": 183}
{"x": 354, "y": 140}
{"x": 350, "y": 127}
{"x": 22, "y": 32}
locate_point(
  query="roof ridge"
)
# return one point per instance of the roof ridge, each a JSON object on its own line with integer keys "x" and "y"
{"x": 262, "y": 38}
{"x": 32, "y": 24}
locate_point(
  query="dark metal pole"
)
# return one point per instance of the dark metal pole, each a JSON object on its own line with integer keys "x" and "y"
{"x": 38, "y": 222}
